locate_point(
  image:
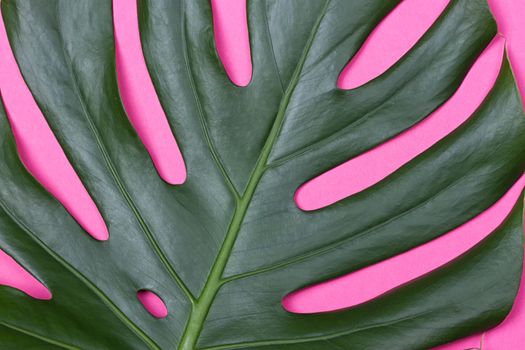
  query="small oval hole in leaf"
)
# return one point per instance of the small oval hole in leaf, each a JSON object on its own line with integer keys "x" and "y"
{"x": 152, "y": 303}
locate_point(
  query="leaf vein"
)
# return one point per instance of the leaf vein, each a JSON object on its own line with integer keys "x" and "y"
{"x": 39, "y": 337}
{"x": 103, "y": 297}
{"x": 118, "y": 181}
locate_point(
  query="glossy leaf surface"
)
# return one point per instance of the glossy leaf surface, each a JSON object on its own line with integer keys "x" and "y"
{"x": 224, "y": 248}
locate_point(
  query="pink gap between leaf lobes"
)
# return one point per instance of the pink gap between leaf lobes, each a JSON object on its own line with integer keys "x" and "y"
{"x": 140, "y": 99}
{"x": 39, "y": 149}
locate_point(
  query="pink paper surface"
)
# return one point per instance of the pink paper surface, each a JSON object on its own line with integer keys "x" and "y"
{"x": 43, "y": 157}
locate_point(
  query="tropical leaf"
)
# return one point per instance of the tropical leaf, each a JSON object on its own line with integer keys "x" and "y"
{"x": 224, "y": 248}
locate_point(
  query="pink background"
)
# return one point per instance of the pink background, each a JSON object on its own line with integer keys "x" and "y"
{"x": 45, "y": 160}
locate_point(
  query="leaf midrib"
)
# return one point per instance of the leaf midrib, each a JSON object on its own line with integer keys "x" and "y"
{"x": 215, "y": 280}
{"x": 200, "y": 112}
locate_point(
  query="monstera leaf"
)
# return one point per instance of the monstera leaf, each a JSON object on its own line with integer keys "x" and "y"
{"x": 225, "y": 247}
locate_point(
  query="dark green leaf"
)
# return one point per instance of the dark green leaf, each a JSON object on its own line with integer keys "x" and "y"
{"x": 223, "y": 249}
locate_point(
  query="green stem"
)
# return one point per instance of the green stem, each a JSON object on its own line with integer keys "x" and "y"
{"x": 214, "y": 282}
{"x": 202, "y": 307}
